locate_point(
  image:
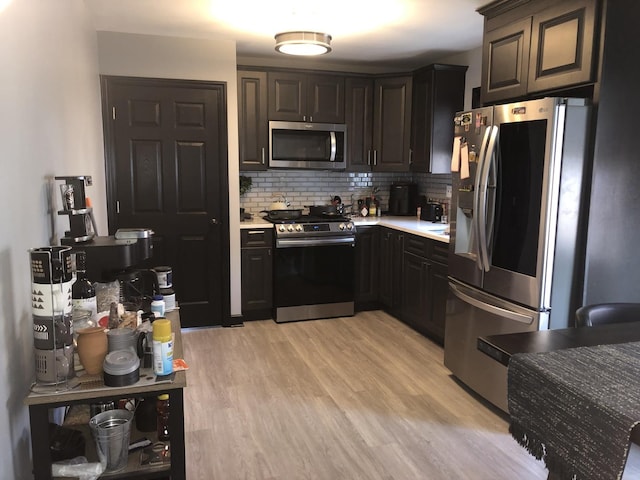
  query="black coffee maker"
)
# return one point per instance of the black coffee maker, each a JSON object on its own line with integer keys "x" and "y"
{"x": 137, "y": 288}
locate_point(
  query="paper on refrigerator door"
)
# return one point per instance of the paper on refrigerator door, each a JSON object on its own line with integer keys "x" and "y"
{"x": 455, "y": 156}
{"x": 464, "y": 161}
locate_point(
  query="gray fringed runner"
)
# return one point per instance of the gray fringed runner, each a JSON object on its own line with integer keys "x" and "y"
{"x": 575, "y": 408}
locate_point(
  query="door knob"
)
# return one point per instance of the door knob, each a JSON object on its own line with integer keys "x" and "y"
{"x": 213, "y": 221}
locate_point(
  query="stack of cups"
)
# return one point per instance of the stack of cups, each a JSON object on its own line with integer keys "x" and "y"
{"x": 111, "y": 431}
{"x": 165, "y": 283}
{"x": 51, "y": 306}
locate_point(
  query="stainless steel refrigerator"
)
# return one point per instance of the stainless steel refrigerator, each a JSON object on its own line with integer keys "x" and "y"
{"x": 516, "y": 229}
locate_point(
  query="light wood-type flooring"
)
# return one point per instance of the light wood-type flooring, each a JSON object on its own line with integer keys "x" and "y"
{"x": 362, "y": 397}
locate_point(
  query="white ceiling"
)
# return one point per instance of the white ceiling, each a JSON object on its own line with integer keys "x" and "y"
{"x": 401, "y": 33}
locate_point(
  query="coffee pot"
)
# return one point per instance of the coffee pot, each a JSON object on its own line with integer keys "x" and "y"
{"x": 137, "y": 287}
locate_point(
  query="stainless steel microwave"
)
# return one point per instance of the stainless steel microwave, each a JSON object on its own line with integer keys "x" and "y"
{"x": 314, "y": 146}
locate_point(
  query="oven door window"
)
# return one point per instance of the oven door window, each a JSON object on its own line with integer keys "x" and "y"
{"x": 313, "y": 275}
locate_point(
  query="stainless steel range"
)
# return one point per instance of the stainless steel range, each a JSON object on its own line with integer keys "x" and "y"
{"x": 314, "y": 268}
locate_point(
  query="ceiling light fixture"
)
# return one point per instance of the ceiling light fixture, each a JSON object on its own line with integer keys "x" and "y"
{"x": 303, "y": 43}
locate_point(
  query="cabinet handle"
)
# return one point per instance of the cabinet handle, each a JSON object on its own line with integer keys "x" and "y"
{"x": 410, "y": 156}
{"x": 263, "y": 158}
{"x": 255, "y": 232}
{"x": 304, "y": 118}
{"x": 375, "y": 158}
{"x": 311, "y": 119}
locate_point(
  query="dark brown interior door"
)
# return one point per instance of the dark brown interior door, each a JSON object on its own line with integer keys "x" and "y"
{"x": 166, "y": 149}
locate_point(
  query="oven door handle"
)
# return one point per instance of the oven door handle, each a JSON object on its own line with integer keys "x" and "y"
{"x": 314, "y": 242}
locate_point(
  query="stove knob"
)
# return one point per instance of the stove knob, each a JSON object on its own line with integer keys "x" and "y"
{"x": 349, "y": 226}
{"x": 290, "y": 228}
{"x": 281, "y": 228}
{"x": 298, "y": 228}
{"x": 341, "y": 226}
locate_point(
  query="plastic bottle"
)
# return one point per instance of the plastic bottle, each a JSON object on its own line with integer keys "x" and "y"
{"x": 83, "y": 293}
{"x": 158, "y": 306}
{"x": 162, "y": 347}
{"x": 162, "y": 415}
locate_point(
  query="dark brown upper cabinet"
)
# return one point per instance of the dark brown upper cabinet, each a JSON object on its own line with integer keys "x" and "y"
{"x": 438, "y": 93}
{"x": 253, "y": 125}
{"x": 392, "y": 124}
{"x": 562, "y": 46}
{"x": 359, "y": 120}
{"x": 505, "y": 61}
{"x": 537, "y": 46}
{"x": 303, "y": 97}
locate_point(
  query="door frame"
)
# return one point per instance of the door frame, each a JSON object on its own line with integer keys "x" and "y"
{"x": 109, "y": 81}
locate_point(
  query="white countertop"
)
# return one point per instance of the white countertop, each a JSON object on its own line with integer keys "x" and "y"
{"x": 422, "y": 228}
{"x": 412, "y": 225}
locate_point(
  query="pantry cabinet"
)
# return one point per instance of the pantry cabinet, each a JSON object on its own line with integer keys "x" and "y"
{"x": 306, "y": 97}
{"x": 537, "y": 46}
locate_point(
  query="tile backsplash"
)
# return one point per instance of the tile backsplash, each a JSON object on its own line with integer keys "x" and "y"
{"x": 317, "y": 187}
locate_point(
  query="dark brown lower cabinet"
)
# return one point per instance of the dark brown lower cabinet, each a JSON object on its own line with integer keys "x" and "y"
{"x": 367, "y": 267}
{"x": 425, "y": 286}
{"x": 257, "y": 273}
{"x": 391, "y": 248}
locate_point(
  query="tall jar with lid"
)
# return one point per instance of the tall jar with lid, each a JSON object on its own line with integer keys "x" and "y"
{"x": 162, "y": 415}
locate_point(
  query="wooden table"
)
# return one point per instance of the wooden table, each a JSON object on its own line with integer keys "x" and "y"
{"x": 501, "y": 347}
{"x": 40, "y": 403}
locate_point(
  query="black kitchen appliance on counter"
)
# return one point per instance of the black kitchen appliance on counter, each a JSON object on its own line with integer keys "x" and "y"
{"x": 431, "y": 212}
{"x": 403, "y": 199}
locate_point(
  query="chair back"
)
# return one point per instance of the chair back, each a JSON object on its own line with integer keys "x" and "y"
{"x": 604, "y": 313}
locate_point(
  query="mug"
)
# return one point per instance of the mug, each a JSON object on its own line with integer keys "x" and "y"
{"x": 48, "y": 300}
{"x": 122, "y": 339}
{"x": 53, "y": 366}
{"x": 45, "y": 328}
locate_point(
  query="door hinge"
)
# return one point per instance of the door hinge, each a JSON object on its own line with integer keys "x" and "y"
{"x": 117, "y": 206}
{"x": 113, "y": 112}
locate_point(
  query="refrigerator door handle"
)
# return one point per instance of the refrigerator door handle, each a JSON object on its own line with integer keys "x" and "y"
{"x": 475, "y": 225}
{"x": 502, "y": 312}
{"x": 482, "y": 199}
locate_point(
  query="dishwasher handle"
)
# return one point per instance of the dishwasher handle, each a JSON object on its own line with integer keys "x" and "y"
{"x": 493, "y": 309}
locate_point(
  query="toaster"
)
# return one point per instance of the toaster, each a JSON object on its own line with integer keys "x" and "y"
{"x": 431, "y": 212}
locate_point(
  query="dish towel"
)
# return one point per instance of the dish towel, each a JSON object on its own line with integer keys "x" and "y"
{"x": 575, "y": 408}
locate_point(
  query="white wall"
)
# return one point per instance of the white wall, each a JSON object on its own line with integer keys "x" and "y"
{"x": 193, "y": 59}
{"x": 50, "y": 125}
{"x": 473, "y": 58}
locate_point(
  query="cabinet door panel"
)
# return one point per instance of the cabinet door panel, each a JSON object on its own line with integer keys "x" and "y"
{"x": 505, "y": 62}
{"x": 287, "y": 96}
{"x": 367, "y": 258}
{"x": 392, "y": 124}
{"x": 256, "y": 278}
{"x": 326, "y": 99}
{"x": 562, "y": 42}
{"x": 359, "y": 120}
{"x": 253, "y": 126}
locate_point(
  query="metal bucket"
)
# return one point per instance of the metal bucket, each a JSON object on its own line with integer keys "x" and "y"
{"x": 111, "y": 431}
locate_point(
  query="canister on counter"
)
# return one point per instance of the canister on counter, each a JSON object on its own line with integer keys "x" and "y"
{"x": 169, "y": 296}
{"x": 165, "y": 276}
